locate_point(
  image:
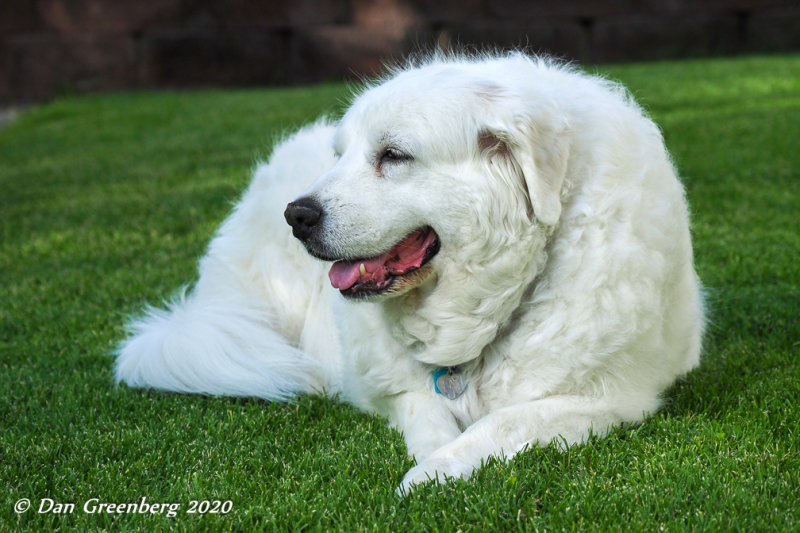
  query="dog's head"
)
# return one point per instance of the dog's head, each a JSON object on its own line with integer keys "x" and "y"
{"x": 449, "y": 177}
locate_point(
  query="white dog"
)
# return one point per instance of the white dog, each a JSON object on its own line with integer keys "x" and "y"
{"x": 511, "y": 250}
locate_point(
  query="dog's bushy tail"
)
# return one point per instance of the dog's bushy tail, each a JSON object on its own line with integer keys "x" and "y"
{"x": 214, "y": 345}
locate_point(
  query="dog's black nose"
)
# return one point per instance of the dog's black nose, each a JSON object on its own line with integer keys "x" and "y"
{"x": 302, "y": 215}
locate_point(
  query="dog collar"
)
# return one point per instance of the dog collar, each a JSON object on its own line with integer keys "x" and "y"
{"x": 449, "y": 382}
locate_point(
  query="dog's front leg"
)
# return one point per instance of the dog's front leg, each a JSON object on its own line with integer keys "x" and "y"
{"x": 427, "y": 424}
{"x": 504, "y": 432}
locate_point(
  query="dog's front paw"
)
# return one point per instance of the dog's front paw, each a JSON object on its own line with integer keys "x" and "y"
{"x": 414, "y": 477}
{"x": 441, "y": 470}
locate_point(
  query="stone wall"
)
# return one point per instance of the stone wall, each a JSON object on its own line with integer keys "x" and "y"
{"x": 49, "y": 47}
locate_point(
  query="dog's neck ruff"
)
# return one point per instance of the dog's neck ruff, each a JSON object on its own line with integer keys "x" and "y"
{"x": 449, "y": 382}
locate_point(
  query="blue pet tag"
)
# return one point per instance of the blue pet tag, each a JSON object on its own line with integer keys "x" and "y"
{"x": 448, "y": 382}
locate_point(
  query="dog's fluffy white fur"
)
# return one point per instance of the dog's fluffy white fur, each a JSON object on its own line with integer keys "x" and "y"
{"x": 563, "y": 293}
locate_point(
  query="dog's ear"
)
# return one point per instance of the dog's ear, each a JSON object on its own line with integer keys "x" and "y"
{"x": 540, "y": 153}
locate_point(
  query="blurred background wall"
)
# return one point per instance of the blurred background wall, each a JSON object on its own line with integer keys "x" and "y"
{"x": 50, "y": 47}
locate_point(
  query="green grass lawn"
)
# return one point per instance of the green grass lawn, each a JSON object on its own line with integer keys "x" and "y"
{"x": 108, "y": 201}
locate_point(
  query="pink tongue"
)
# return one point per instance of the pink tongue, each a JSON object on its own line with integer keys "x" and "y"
{"x": 407, "y": 255}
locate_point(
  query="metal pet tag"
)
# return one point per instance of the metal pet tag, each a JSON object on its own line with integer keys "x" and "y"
{"x": 449, "y": 383}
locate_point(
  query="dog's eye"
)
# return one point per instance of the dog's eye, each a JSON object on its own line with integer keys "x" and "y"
{"x": 392, "y": 155}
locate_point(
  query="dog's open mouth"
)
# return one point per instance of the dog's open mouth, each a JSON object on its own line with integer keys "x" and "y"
{"x": 394, "y": 271}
